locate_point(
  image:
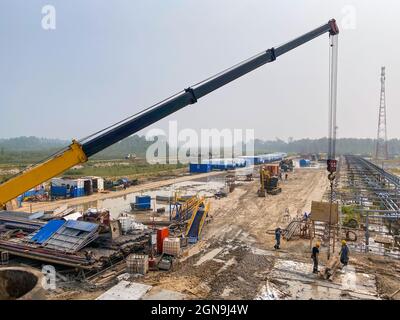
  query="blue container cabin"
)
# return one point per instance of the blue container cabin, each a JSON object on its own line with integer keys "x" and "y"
{"x": 77, "y": 192}
{"x": 143, "y": 203}
{"x": 58, "y": 191}
{"x": 199, "y": 168}
{"x": 63, "y": 191}
{"x": 304, "y": 163}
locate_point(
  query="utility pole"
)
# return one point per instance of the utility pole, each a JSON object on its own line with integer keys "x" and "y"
{"x": 381, "y": 148}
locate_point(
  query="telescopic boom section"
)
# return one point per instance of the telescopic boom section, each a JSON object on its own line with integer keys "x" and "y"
{"x": 77, "y": 153}
{"x": 191, "y": 95}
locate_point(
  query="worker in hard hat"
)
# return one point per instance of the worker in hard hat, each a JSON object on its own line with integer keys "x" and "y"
{"x": 314, "y": 256}
{"x": 344, "y": 253}
{"x": 278, "y": 233}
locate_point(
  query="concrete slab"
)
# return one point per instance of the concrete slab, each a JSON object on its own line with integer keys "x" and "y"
{"x": 208, "y": 256}
{"x": 297, "y": 282}
{"x": 125, "y": 290}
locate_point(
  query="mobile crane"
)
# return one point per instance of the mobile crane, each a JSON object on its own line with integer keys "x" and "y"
{"x": 79, "y": 151}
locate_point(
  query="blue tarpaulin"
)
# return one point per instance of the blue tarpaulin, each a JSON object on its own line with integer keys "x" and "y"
{"x": 81, "y": 225}
{"x": 47, "y": 231}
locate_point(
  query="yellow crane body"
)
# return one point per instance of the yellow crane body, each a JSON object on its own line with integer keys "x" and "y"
{"x": 36, "y": 175}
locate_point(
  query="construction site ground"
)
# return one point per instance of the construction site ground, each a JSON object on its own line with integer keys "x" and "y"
{"x": 152, "y": 184}
{"x": 235, "y": 258}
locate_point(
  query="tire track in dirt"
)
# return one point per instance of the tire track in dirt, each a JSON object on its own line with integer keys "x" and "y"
{"x": 244, "y": 210}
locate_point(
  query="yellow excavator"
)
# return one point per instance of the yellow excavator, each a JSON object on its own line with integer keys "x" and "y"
{"x": 269, "y": 184}
{"x": 79, "y": 151}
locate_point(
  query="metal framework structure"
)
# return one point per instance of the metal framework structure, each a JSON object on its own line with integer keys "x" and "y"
{"x": 381, "y": 148}
{"x": 373, "y": 183}
{"x": 375, "y": 196}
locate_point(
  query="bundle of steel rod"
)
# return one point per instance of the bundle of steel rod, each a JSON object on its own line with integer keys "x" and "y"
{"x": 20, "y": 223}
{"x": 52, "y": 256}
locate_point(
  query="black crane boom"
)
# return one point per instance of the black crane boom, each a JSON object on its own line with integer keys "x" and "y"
{"x": 192, "y": 94}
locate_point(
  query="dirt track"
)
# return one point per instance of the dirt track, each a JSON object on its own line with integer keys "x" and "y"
{"x": 225, "y": 263}
{"x": 235, "y": 258}
{"x": 244, "y": 210}
{"x": 228, "y": 263}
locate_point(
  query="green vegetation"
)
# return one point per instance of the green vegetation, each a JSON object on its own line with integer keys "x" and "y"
{"x": 33, "y": 149}
{"x": 306, "y": 146}
{"x": 30, "y": 144}
{"x": 105, "y": 169}
{"x": 23, "y": 151}
{"x": 4, "y": 177}
{"x": 24, "y": 157}
{"x": 350, "y": 218}
{"x": 120, "y": 169}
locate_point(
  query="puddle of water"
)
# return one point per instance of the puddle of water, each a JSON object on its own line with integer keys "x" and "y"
{"x": 269, "y": 292}
{"x": 206, "y": 187}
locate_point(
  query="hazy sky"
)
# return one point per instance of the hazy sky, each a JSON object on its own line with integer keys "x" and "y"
{"x": 109, "y": 59}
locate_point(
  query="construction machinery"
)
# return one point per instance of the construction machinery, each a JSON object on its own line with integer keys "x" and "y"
{"x": 196, "y": 222}
{"x": 269, "y": 183}
{"x": 79, "y": 151}
{"x": 286, "y": 165}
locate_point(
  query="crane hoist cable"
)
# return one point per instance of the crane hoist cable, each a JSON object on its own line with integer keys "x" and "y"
{"x": 332, "y": 162}
{"x": 333, "y": 71}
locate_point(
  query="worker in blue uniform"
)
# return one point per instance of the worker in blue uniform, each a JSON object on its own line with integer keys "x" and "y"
{"x": 278, "y": 233}
{"x": 314, "y": 256}
{"x": 344, "y": 253}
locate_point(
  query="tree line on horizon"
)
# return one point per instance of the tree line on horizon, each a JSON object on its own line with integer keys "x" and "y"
{"x": 27, "y": 149}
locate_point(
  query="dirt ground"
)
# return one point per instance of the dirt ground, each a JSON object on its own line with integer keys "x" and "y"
{"x": 243, "y": 211}
{"x": 52, "y": 205}
{"x": 235, "y": 252}
{"x": 235, "y": 258}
